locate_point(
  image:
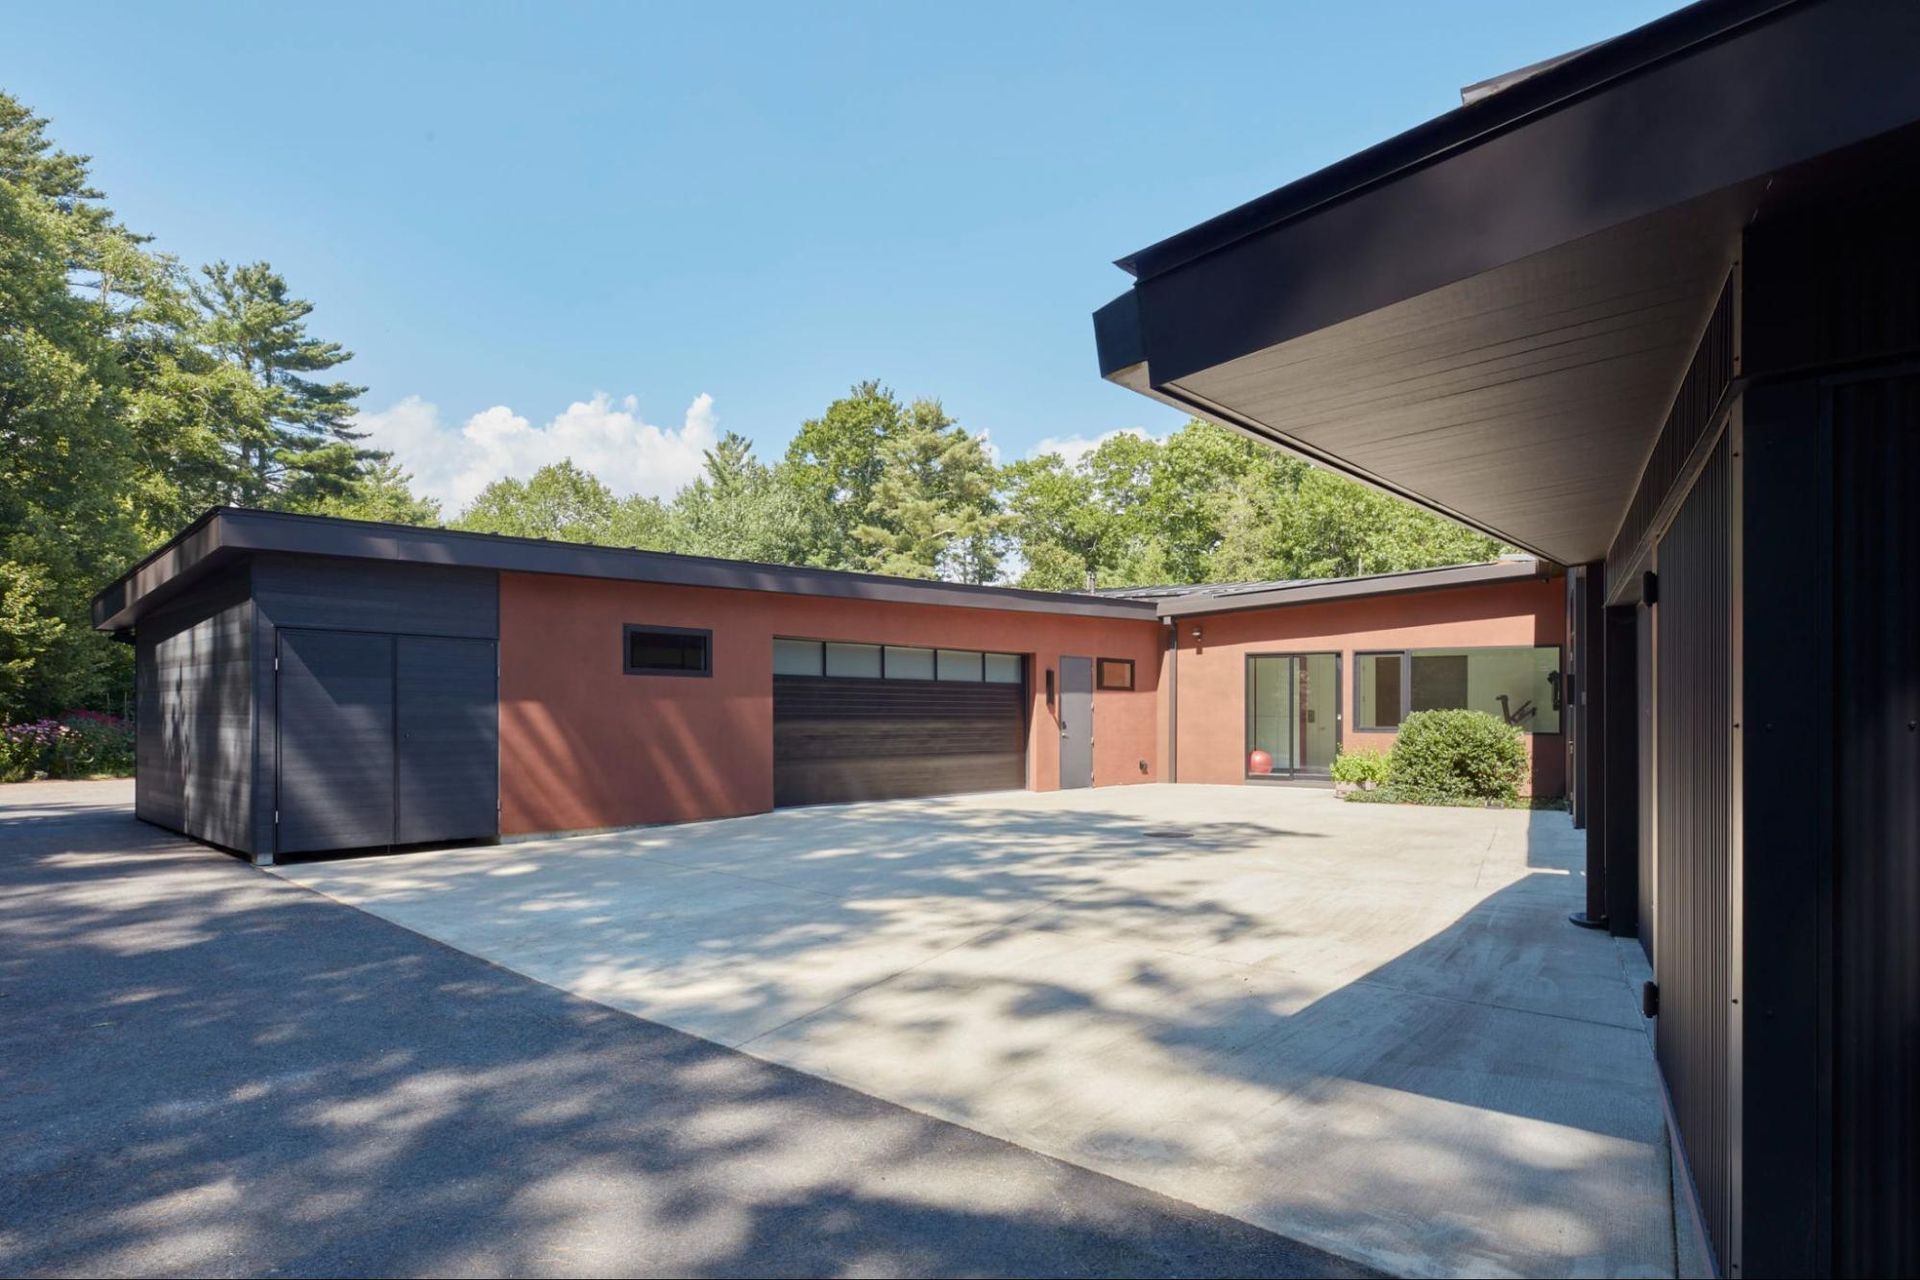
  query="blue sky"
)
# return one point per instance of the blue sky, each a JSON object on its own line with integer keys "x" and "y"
{"x": 611, "y": 230}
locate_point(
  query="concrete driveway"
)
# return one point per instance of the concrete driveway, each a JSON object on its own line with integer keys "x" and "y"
{"x": 205, "y": 1071}
{"x": 1368, "y": 1028}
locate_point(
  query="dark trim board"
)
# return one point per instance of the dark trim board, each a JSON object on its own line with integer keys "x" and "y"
{"x": 225, "y": 533}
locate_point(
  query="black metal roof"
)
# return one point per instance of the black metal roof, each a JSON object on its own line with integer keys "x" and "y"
{"x": 1558, "y": 81}
{"x": 1223, "y": 597}
{"x": 1489, "y": 314}
{"x": 226, "y": 533}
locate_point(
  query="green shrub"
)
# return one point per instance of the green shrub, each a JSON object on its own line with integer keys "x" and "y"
{"x": 1362, "y": 765}
{"x": 1447, "y": 756}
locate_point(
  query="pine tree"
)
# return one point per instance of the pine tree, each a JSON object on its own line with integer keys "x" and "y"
{"x": 299, "y": 448}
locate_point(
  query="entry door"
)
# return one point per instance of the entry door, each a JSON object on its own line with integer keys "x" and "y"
{"x": 336, "y": 753}
{"x": 1293, "y": 715}
{"x": 448, "y": 776}
{"x": 1076, "y": 722}
{"x": 385, "y": 740}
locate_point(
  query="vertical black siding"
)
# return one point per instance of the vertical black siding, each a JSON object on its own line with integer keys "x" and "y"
{"x": 1694, "y": 947}
{"x": 354, "y": 595}
{"x": 192, "y": 662}
{"x": 1702, "y": 392}
{"x": 1620, "y": 705}
{"x": 1876, "y": 848}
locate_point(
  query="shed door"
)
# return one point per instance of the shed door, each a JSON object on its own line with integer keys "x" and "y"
{"x": 449, "y": 729}
{"x": 336, "y": 748}
{"x": 837, "y": 740}
{"x": 1076, "y": 722}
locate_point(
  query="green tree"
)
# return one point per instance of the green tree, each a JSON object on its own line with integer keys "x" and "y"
{"x": 559, "y": 501}
{"x": 741, "y": 509}
{"x": 933, "y": 511}
{"x": 383, "y": 493}
{"x": 66, "y": 455}
{"x": 298, "y": 448}
{"x": 834, "y": 464}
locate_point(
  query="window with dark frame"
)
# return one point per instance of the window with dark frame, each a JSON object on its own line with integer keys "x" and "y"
{"x": 1115, "y": 673}
{"x": 846, "y": 660}
{"x": 667, "y": 651}
{"x": 1519, "y": 683}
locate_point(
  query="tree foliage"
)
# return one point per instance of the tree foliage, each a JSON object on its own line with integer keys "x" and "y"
{"x": 131, "y": 399}
{"x": 135, "y": 393}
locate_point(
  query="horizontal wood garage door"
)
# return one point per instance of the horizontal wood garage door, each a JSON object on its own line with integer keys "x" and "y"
{"x": 838, "y": 739}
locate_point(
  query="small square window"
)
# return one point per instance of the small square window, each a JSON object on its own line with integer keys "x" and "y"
{"x": 668, "y": 651}
{"x": 1116, "y": 673}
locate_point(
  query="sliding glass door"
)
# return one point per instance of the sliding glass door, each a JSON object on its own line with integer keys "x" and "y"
{"x": 1293, "y": 714}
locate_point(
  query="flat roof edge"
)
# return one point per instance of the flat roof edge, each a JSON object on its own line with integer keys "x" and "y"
{"x": 223, "y": 531}
{"x": 1571, "y": 76}
{"x": 1401, "y": 583}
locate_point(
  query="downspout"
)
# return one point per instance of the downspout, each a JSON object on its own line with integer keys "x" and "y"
{"x": 1173, "y": 699}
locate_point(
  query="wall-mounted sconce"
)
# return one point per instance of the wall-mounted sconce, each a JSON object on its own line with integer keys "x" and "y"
{"x": 1196, "y": 631}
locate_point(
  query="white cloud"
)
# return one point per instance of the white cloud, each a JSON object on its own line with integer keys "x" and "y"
{"x": 601, "y": 435}
{"x": 1074, "y": 448}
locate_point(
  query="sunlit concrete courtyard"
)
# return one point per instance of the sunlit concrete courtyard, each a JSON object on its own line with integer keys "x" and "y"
{"x": 1368, "y": 1028}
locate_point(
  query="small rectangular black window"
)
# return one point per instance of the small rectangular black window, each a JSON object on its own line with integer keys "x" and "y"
{"x": 668, "y": 651}
{"x": 1116, "y": 673}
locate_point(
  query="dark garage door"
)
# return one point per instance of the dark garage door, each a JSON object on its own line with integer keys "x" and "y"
{"x": 837, "y": 740}
{"x": 384, "y": 740}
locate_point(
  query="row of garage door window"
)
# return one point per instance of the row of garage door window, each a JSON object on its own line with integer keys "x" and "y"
{"x": 688, "y": 651}
{"x": 893, "y": 662}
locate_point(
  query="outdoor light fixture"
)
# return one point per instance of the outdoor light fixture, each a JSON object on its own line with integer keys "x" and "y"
{"x": 1196, "y": 631}
{"x": 1049, "y": 686}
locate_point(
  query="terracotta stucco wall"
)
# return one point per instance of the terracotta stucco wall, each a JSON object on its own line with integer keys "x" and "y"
{"x": 1212, "y": 689}
{"x": 584, "y": 745}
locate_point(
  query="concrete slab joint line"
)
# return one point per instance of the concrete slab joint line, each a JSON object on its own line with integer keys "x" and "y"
{"x": 1365, "y": 1028}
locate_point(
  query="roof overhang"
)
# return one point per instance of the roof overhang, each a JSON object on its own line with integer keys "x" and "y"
{"x": 226, "y": 534}
{"x": 1491, "y": 314}
{"x": 1452, "y": 577}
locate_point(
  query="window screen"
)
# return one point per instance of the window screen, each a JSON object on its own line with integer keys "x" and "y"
{"x": 668, "y": 651}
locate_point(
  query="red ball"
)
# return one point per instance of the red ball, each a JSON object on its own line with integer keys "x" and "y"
{"x": 1259, "y": 762}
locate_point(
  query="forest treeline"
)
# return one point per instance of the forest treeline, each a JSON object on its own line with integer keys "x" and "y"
{"x": 136, "y": 391}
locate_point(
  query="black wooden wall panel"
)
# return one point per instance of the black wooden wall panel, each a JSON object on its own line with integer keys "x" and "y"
{"x": 838, "y": 740}
{"x": 448, "y": 771}
{"x": 194, "y": 768}
{"x": 1876, "y": 873}
{"x": 1694, "y": 946}
{"x": 354, "y": 595}
{"x": 1787, "y": 734}
{"x": 335, "y": 751}
{"x": 1688, "y": 421}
